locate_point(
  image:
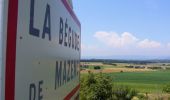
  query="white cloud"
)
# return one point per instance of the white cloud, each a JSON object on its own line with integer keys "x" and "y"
{"x": 168, "y": 45}
{"x": 126, "y": 39}
{"x": 146, "y": 43}
{"x": 111, "y": 44}
{"x": 88, "y": 47}
{"x": 115, "y": 40}
{"x": 91, "y": 50}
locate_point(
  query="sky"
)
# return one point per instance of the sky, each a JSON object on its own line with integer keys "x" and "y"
{"x": 0, "y": 42}
{"x": 123, "y": 28}
{"x": 113, "y": 28}
{"x": 0, "y": 15}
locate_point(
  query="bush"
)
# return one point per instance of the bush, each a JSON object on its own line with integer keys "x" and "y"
{"x": 99, "y": 87}
{"x": 123, "y": 93}
{"x": 109, "y": 63}
{"x": 96, "y": 87}
{"x": 166, "y": 88}
{"x": 97, "y": 67}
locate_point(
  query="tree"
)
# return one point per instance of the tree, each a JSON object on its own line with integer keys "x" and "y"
{"x": 99, "y": 87}
{"x": 96, "y": 87}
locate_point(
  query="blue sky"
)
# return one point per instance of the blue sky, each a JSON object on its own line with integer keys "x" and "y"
{"x": 124, "y": 27}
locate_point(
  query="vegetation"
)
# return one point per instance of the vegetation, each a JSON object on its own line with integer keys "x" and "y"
{"x": 166, "y": 88}
{"x": 97, "y": 67}
{"x": 142, "y": 81}
{"x": 96, "y": 87}
{"x": 126, "y": 61}
{"x": 126, "y": 82}
{"x": 123, "y": 93}
{"x": 109, "y": 63}
{"x": 99, "y": 87}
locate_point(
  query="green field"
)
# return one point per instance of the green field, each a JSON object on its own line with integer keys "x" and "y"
{"x": 151, "y": 82}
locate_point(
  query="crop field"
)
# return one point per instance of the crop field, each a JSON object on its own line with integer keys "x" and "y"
{"x": 144, "y": 80}
{"x": 150, "y": 82}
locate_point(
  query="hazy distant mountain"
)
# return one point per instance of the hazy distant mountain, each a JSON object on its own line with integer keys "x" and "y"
{"x": 129, "y": 57}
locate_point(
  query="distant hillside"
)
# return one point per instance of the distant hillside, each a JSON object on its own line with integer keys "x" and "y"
{"x": 130, "y": 57}
{"x": 126, "y": 61}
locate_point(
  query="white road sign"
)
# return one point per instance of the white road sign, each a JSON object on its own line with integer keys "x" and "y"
{"x": 41, "y": 50}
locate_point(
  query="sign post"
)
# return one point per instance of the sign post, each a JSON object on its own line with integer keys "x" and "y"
{"x": 41, "y": 55}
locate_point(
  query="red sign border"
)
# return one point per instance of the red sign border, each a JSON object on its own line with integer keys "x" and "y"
{"x": 70, "y": 10}
{"x": 71, "y": 94}
{"x": 11, "y": 49}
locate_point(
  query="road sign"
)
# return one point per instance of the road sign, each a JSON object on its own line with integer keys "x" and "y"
{"x": 41, "y": 50}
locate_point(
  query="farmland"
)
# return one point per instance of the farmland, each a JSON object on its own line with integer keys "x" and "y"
{"x": 146, "y": 78}
{"x": 151, "y": 82}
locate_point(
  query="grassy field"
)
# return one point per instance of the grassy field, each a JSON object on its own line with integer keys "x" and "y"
{"x": 144, "y": 80}
{"x": 151, "y": 82}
